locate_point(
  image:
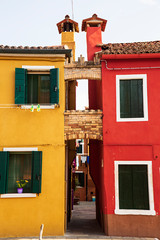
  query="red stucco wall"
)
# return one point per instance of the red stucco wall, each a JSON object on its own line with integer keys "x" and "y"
{"x": 124, "y": 141}
{"x": 94, "y": 37}
{"x": 130, "y": 141}
{"x": 131, "y": 132}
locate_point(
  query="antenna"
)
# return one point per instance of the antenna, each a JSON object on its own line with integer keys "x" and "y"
{"x": 72, "y": 10}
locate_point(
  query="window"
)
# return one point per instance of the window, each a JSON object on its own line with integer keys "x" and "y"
{"x": 134, "y": 188}
{"x": 38, "y": 87}
{"x": 79, "y": 146}
{"x": 20, "y": 165}
{"x": 132, "y": 98}
{"x": 79, "y": 179}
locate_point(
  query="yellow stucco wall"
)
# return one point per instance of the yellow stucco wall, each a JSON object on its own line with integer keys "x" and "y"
{"x": 67, "y": 38}
{"x": 20, "y": 217}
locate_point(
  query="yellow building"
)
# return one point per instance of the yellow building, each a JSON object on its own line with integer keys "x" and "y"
{"x": 32, "y": 140}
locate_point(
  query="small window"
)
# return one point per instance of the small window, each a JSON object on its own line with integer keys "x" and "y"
{"x": 36, "y": 88}
{"x": 132, "y": 98}
{"x": 79, "y": 146}
{"x": 79, "y": 179}
{"x": 20, "y": 166}
{"x": 134, "y": 188}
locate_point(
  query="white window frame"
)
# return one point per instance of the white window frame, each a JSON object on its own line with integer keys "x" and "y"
{"x": 19, "y": 195}
{"x": 82, "y": 143}
{"x": 145, "y": 101}
{"x": 38, "y": 68}
{"x": 119, "y": 211}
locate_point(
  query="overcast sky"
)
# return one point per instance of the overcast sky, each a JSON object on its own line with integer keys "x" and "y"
{"x": 33, "y": 23}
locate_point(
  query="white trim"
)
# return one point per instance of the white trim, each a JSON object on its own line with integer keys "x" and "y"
{"x": 36, "y": 68}
{"x": 150, "y": 189}
{"x": 145, "y": 101}
{"x": 41, "y": 106}
{"x": 21, "y": 149}
{"x": 79, "y": 172}
{"x": 82, "y": 143}
{"x": 18, "y": 195}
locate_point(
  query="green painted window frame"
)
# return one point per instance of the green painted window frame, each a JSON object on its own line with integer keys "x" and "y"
{"x": 21, "y": 86}
{"x": 36, "y": 178}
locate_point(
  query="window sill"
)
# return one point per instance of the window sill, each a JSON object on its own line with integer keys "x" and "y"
{"x": 132, "y": 119}
{"x": 134, "y": 212}
{"x": 41, "y": 106}
{"x": 18, "y": 195}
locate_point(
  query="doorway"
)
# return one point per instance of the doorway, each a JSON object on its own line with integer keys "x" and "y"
{"x": 81, "y": 191}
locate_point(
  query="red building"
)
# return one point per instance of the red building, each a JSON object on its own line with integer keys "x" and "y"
{"x": 126, "y": 166}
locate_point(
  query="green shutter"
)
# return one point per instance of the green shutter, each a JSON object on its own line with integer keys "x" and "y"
{"x": 20, "y": 82}
{"x": 133, "y": 187}
{"x": 131, "y": 98}
{"x": 125, "y": 99}
{"x": 140, "y": 187}
{"x": 125, "y": 187}
{"x": 54, "y": 86}
{"x": 3, "y": 171}
{"x": 136, "y": 98}
{"x": 36, "y": 171}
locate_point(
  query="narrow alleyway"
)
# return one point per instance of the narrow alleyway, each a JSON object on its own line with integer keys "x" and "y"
{"x": 83, "y": 222}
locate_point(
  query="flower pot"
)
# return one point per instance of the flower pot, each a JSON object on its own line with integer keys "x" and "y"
{"x": 20, "y": 190}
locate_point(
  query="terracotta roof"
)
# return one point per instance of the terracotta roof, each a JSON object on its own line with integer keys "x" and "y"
{"x": 32, "y": 48}
{"x": 130, "y": 48}
{"x": 67, "y": 19}
{"x": 94, "y": 21}
{"x": 36, "y": 50}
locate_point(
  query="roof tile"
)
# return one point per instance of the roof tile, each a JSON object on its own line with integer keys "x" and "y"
{"x": 131, "y": 48}
{"x": 32, "y": 47}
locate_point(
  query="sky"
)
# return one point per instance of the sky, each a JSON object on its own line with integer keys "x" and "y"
{"x": 33, "y": 23}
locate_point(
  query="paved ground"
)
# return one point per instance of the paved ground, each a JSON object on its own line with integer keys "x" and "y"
{"x": 83, "y": 222}
{"x": 83, "y": 226}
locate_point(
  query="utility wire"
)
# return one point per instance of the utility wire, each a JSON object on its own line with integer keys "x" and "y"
{"x": 72, "y": 10}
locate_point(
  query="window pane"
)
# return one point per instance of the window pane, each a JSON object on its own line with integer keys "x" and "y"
{"x": 44, "y": 89}
{"x": 32, "y": 88}
{"x": 79, "y": 178}
{"x": 131, "y": 98}
{"x": 79, "y": 146}
{"x": 38, "y": 89}
{"x": 20, "y": 165}
{"x": 133, "y": 187}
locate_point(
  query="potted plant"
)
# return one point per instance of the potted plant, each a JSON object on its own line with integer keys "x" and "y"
{"x": 21, "y": 184}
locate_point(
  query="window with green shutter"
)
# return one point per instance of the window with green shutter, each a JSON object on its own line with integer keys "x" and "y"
{"x": 36, "y": 88}
{"x": 16, "y": 166}
{"x": 131, "y": 98}
{"x": 133, "y": 187}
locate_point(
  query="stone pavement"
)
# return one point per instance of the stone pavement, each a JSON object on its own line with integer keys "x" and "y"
{"x": 83, "y": 226}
